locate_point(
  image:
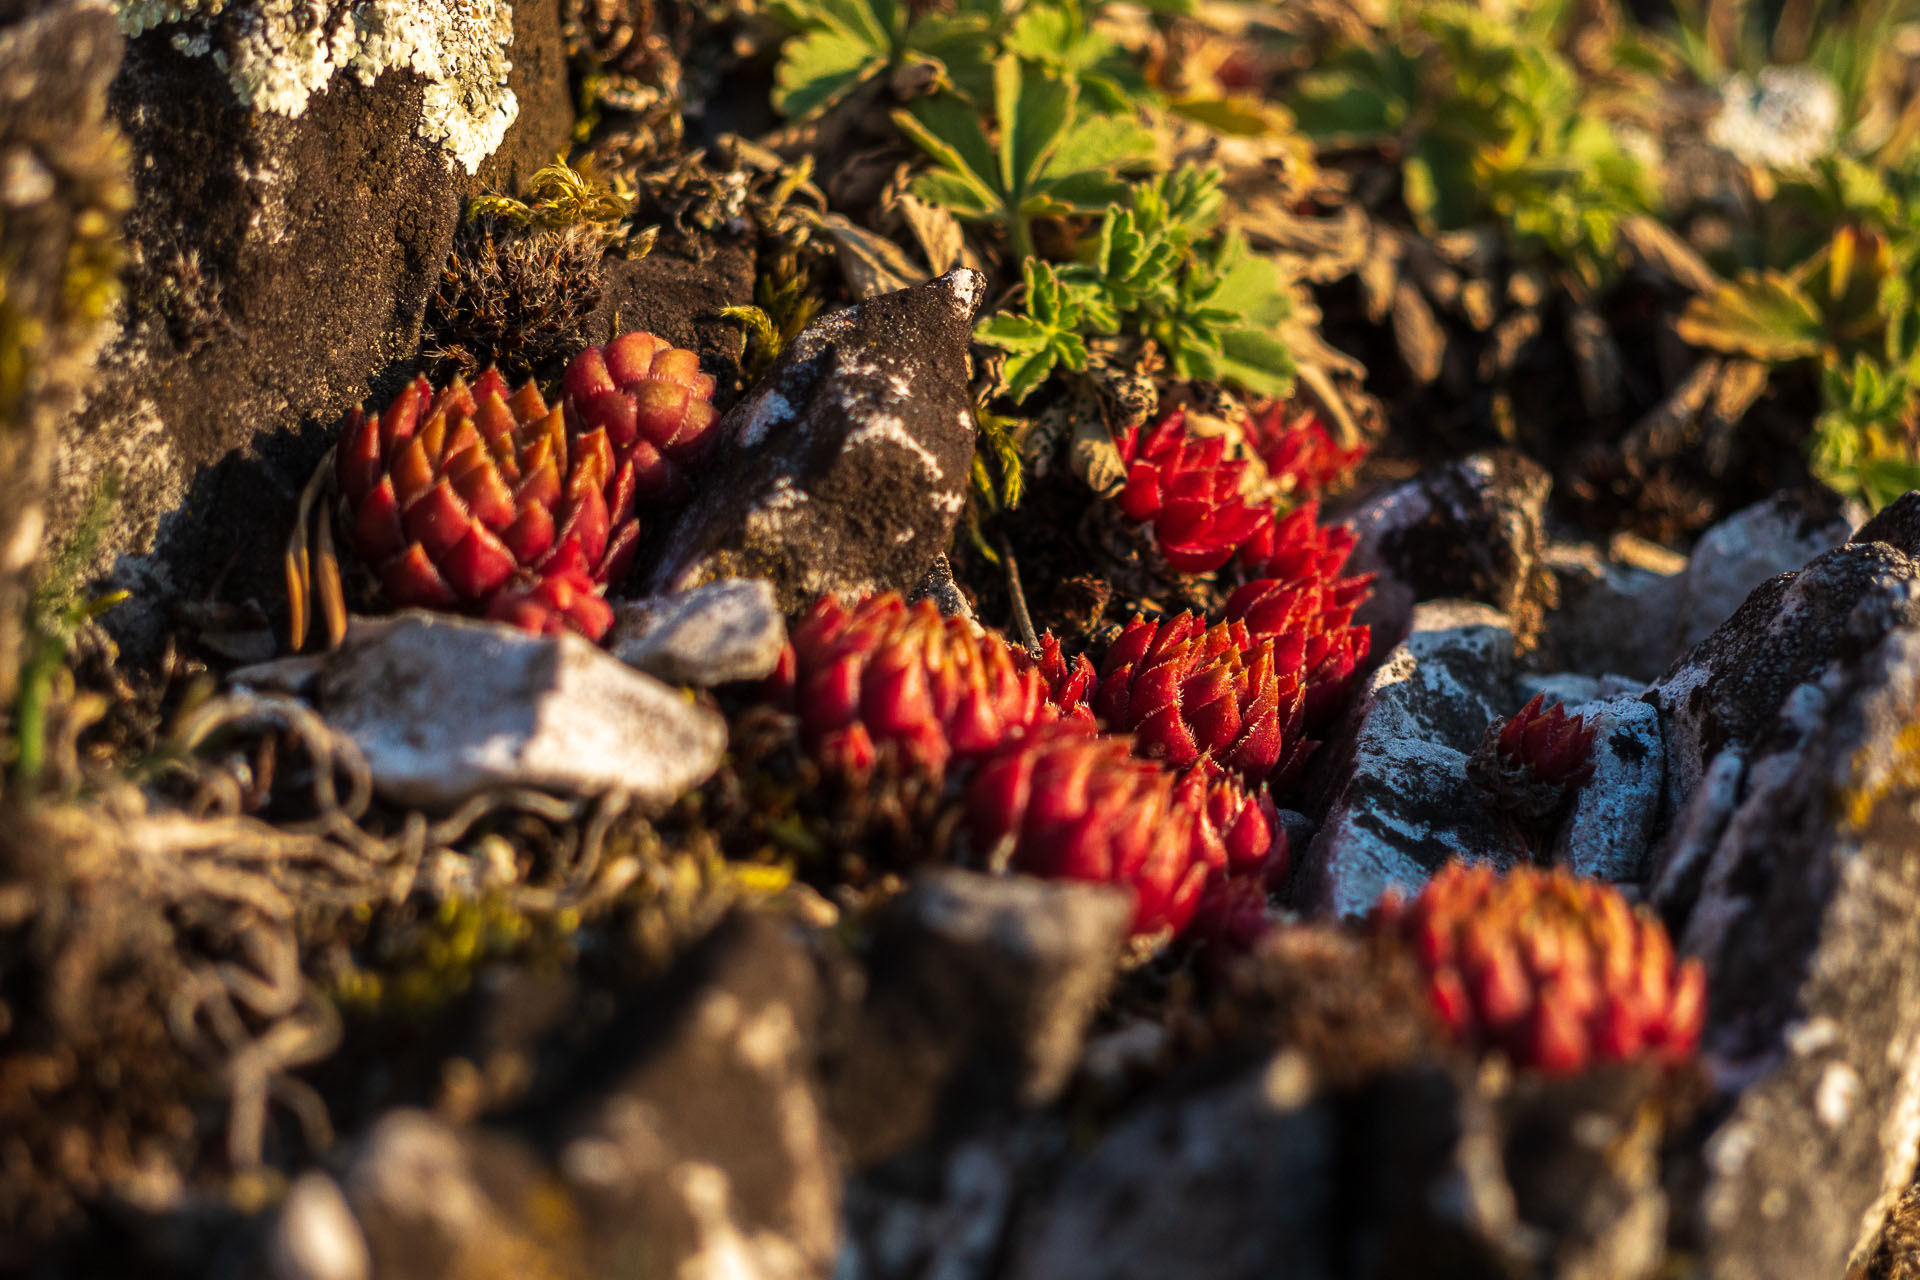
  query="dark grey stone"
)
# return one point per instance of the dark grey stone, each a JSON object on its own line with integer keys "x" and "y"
{"x": 980, "y": 992}
{"x": 846, "y": 467}
{"x": 1471, "y": 530}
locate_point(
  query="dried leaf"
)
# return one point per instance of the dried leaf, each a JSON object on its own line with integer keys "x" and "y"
{"x": 934, "y": 229}
{"x": 872, "y": 263}
{"x": 1596, "y": 361}
{"x": 1095, "y": 458}
{"x": 1671, "y": 426}
{"x": 1422, "y": 342}
{"x": 1660, "y": 248}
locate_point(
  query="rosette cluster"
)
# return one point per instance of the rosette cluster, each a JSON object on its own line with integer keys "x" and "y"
{"x": 1072, "y": 805}
{"x": 1555, "y": 972}
{"x": 1186, "y": 690}
{"x": 1191, "y": 492}
{"x": 881, "y": 673}
{"x": 1528, "y": 764}
{"x": 1043, "y": 789}
{"x": 491, "y": 501}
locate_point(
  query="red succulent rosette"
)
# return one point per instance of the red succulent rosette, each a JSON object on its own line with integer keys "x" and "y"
{"x": 881, "y": 672}
{"x": 1301, "y": 455}
{"x": 654, "y": 404}
{"x": 1556, "y": 972}
{"x": 1187, "y": 691}
{"x": 1529, "y": 764}
{"x": 1191, "y": 492}
{"x": 1310, "y": 622}
{"x": 495, "y": 502}
{"x": 1078, "y": 806}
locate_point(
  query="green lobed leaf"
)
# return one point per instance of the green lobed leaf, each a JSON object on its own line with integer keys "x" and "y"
{"x": 1762, "y": 315}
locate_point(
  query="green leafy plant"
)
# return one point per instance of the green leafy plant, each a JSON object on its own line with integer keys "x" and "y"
{"x": 1044, "y": 336}
{"x": 1851, "y": 306}
{"x": 1044, "y": 156}
{"x": 1155, "y": 269}
{"x": 844, "y": 44}
{"x": 1490, "y": 123}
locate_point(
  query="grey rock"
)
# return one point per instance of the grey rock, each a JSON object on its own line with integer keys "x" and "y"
{"x": 846, "y": 467}
{"x": 981, "y": 989}
{"x": 939, "y": 587}
{"x": 707, "y": 1153}
{"x": 1622, "y": 617}
{"x": 1394, "y": 779}
{"x": 435, "y": 1201}
{"x": 1470, "y": 529}
{"x": 1614, "y": 616}
{"x": 1609, "y": 834}
{"x": 713, "y": 634}
{"x": 63, "y": 188}
{"x": 444, "y": 707}
{"x": 1804, "y": 917}
{"x": 1235, "y": 1183}
{"x": 1897, "y": 524}
{"x": 1419, "y": 1171}
{"x": 1753, "y": 544}
{"x": 1727, "y": 692}
{"x": 315, "y": 1236}
{"x": 955, "y": 1234}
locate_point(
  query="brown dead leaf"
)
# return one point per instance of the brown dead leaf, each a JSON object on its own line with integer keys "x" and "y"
{"x": 1422, "y": 341}
{"x": 1667, "y": 253}
{"x": 871, "y": 263}
{"x": 934, "y": 230}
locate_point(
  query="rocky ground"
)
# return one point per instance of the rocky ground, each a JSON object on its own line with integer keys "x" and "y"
{"x": 1121, "y": 681}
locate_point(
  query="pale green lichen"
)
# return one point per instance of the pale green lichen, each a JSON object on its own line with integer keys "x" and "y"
{"x": 278, "y": 53}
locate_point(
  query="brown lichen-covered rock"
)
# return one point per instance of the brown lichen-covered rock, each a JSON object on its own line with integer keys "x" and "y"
{"x": 284, "y": 243}
{"x": 846, "y": 468}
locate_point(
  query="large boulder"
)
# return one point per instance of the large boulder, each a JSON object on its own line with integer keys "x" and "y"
{"x": 1792, "y": 870}
{"x": 298, "y": 187}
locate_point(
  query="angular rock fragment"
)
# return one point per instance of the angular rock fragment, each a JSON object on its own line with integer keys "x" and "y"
{"x": 1399, "y": 803}
{"x": 1471, "y": 529}
{"x": 1637, "y": 619}
{"x": 1609, "y": 833}
{"x": 981, "y": 991}
{"x": 309, "y": 190}
{"x": 444, "y": 707}
{"x": 846, "y": 468}
{"x": 1792, "y": 871}
{"x": 1728, "y": 690}
{"x": 434, "y": 1201}
{"x": 723, "y": 631}
{"x": 706, "y": 1153}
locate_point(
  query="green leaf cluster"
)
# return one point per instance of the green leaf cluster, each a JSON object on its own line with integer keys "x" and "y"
{"x": 1156, "y": 269}
{"x": 1039, "y": 153}
{"x": 1853, "y": 304}
{"x": 843, "y": 44}
{"x": 1491, "y": 124}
